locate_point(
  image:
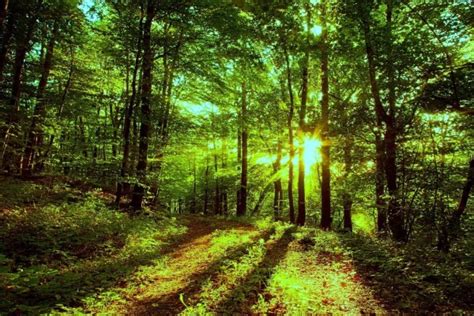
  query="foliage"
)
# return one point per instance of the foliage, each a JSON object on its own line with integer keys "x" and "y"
{"x": 135, "y": 136}
{"x": 61, "y": 253}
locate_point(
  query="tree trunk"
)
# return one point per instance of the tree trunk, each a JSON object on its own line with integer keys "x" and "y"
{"x": 451, "y": 231}
{"x": 242, "y": 202}
{"x": 261, "y": 198}
{"x": 291, "y": 204}
{"x": 217, "y": 197}
{"x": 301, "y": 163}
{"x": 6, "y": 37}
{"x": 302, "y": 114}
{"x": 35, "y": 136}
{"x": 278, "y": 190}
{"x": 396, "y": 216}
{"x": 194, "y": 198}
{"x": 223, "y": 185}
{"x": 326, "y": 218}
{"x": 380, "y": 180}
{"x": 239, "y": 155}
{"x": 139, "y": 189}
{"x": 465, "y": 195}
{"x": 347, "y": 196}
{"x": 381, "y": 117}
{"x": 206, "y": 188}
{"x": 127, "y": 121}
{"x": 12, "y": 145}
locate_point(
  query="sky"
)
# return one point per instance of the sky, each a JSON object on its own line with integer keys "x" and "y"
{"x": 86, "y": 6}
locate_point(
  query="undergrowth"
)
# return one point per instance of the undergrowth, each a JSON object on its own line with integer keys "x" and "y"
{"x": 69, "y": 254}
{"x": 64, "y": 251}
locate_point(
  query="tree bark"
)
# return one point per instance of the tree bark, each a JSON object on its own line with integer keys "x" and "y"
{"x": 139, "y": 189}
{"x": 347, "y": 196}
{"x": 39, "y": 166}
{"x": 242, "y": 202}
{"x": 465, "y": 195}
{"x": 278, "y": 190}
{"x": 450, "y": 232}
{"x": 206, "y": 188}
{"x": 12, "y": 146}
{"x": 261, "y": 198}
{"x": 380, "y": 180}
{"x": 326, "y": 218}
{"x": 302, "y": 114}
{"x": 194, "y": 198}
{"x": 291, "y": 204}
{"x": 396, "y": 216}
{"x": 6, "y": 37}
{"x": 217, "y": 197}
{"x": 127, "y": 120}
{"x": 223, "y": 185}
{"x": 35, "y": 135}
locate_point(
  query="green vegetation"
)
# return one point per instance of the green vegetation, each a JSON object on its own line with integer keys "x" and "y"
{"x": 66, "y": 253}
{"x": 163, "y": 157}
{"x": 74, "y": 254}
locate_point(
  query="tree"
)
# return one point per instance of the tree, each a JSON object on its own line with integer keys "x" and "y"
{"x": 146, "y": 89}
{"x": 326, "y": 218}
{"x": 123, "y": 184}
{"x": 301, "y": 126}
{"x": 242, "y": 201}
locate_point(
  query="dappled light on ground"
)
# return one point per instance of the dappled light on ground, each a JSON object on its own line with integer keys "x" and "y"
{"x": 74, "y": 255}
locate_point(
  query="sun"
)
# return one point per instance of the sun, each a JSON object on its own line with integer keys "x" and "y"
{"x": 312, "y": 154}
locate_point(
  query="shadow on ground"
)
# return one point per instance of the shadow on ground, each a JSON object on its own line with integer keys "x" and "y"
{"x": 44, "y": 289}
{"x": 411, "y": 280}
{"x": 171, "y": 303}
{"x": 245, "y": 295}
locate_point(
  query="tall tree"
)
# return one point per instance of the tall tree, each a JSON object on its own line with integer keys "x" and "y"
{"x": 326, "y": 217}
{"x": 278, "y": 190}
{"x": 291, "y": 109}
{"x": 11, "y": 141}
{"x": 146, "y": 90}
{"x": 242, "y": 201}
{"x": 301, "y": 124}
{"x": 35, "y": 136}
{"x": 395, "y": 214}
{"x": 123, "y": 183}
{"x": 6, "y": 33}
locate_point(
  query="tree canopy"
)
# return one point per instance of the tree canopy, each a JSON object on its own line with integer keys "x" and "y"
{"x": 352, "y": 115}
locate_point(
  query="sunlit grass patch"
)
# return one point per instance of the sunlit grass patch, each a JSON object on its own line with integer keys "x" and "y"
{"x": 225, "y": 239}
{"x": 217, "y": 289}
{"x": 237, "y": 278}
{"x": 363, "y": 222}
{"x": 73, "y": 253}
{"x": 320, "y": 280}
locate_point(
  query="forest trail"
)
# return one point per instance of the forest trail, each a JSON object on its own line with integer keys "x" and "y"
{"x": 228, "y": 267}
{"x": 89, "y": 259}
{"x": 92, "y": 260}
{"x": 189, "y": 262}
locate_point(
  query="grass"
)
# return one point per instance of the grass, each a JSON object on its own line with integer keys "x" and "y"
{"x": 70, "y": 253}
{"x": 316, "y": 277}
{"x": 65, "y": 251}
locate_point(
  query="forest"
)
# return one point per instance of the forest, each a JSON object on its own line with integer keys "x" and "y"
{"x": 236, "y": 157}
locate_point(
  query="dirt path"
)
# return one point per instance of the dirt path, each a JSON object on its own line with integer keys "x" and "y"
{"x": 189, "y": 262}
{"x": 215, "y": 265}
